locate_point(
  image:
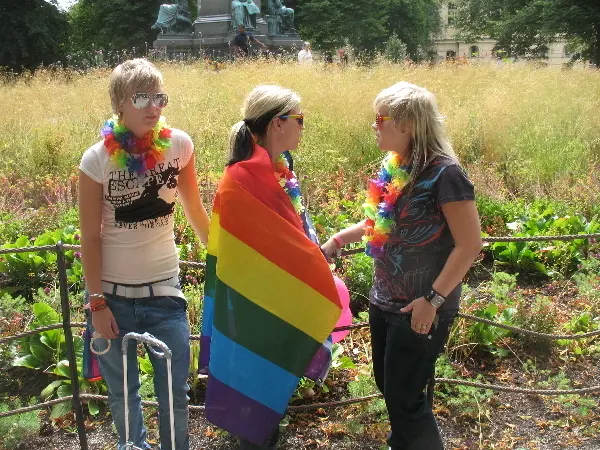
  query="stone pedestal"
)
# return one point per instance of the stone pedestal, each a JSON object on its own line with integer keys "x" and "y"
{"x": 212, "y": 33}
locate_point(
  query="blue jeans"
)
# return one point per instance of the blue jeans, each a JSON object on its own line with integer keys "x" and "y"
{"x": 165, "y": 318}
{"x": 403, "y": 362}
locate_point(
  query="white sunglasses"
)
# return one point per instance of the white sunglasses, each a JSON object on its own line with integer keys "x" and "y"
{"x": 140, "y": 100}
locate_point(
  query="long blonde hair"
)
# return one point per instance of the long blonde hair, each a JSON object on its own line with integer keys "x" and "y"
{"x": 416, "y": 107}
{"x": 263, "y": 104}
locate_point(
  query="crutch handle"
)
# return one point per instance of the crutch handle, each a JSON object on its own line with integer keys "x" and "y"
{"x": 152, "y": 343}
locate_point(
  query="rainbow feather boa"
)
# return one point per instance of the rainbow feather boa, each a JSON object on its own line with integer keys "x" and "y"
{"x": 120, "y": 141}
{"x": 380, "y": 205}
{"x": 288, "y": 181}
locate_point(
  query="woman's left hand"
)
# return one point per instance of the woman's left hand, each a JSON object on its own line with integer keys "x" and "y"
{"x": 423, "y": 314}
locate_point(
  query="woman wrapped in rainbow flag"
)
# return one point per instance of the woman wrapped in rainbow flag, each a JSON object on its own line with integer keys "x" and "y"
{"x": 270, "y": 299}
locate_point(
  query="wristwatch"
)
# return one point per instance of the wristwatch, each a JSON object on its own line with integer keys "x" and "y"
{"x": 435, "y": 299}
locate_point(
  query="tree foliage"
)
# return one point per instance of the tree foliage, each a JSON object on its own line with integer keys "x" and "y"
{"x": 33, "y": 32}
{"x": 526, "y": 27}
{"x": 367, "y": 25}
{"x": 113, "y": 24}
{"x": 330, "y": 24}
{"x": 414, "y": 22}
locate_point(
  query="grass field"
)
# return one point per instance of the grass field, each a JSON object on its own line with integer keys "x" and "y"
{"x": 521, "y": 131}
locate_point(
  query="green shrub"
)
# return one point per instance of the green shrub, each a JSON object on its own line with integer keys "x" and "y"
{"x": 465, "y": 400}
{"x": 395, "y": 50}
{"x": 488, "y": 337}
{"x": 502, "y": 285}
{"x": 14, "y": 430}
{"x": 358, "y": 276}
{"x": 538, "y": 314}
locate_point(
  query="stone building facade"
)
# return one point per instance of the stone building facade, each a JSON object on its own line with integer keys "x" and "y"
{"x": 448, "y": 47}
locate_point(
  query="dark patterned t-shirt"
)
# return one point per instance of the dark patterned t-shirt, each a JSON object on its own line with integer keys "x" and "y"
{"x": 421, "y": 241}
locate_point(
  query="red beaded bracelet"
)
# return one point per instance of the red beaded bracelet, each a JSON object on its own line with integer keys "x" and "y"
{"x": 98, "y": 307}
{"x": 337, "y": 241}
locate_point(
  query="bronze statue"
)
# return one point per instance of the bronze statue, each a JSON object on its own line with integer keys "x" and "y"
{"x": 243, "y": 12}
{"x": 174, "y": 18}
{"x": 282, "y": 18}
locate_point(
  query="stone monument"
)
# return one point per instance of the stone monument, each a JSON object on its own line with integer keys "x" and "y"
{"x": 215, "y": 27}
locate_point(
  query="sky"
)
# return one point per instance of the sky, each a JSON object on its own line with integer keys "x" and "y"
{"x": 64, "y": 4}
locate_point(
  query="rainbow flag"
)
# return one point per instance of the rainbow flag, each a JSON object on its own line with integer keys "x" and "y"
{"x": 270, "y": 302}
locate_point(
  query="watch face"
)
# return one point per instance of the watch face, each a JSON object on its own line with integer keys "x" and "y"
{"x": 437, "y": 301}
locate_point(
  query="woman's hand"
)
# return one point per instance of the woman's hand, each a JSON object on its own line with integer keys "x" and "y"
{"x": 423, "y": 314}
{"x": 104, "y": 323}
{"x": 330, "y": 249}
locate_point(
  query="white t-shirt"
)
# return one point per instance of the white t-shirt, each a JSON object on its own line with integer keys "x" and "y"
{"x": 137, "y": 239}
{"x": 305, "y": 57}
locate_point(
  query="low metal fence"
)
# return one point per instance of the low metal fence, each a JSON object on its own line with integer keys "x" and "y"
{"x": 77, "y": 397}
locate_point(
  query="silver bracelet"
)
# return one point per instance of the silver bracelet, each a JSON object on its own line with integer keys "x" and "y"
{"x": 97, "y": 296}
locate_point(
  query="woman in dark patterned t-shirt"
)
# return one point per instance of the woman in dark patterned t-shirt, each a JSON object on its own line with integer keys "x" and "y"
{"x": 423, "y": 232}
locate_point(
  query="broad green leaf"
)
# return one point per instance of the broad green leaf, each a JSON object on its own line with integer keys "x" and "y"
{"x": 49, "y": 390}
{"x": 540, "y": 268}
{"x": 60, "y": 409}
{"x": 38, "y": 349}
{"x": 145, "y": 365}
{"x": 65, "y": 389}
{"x": 51, "y": 339}
{"x": 44, "y": 314}
{"x": 93, "y": 407}
{"x": 29, "y": 361}
{"x": 62, "y": 369}
{"x": 491, "y": 309}
{"x": 23, "y": 241}
{"x": 38, "y": 261}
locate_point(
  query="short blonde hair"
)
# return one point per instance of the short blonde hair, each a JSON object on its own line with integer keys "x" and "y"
{"x": 417, "y": 108}
{"x": 263, "y": 104}
{"x": 134, "y": 75}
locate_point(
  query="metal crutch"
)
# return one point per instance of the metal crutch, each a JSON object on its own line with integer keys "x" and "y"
{"x": 151, "y": 343}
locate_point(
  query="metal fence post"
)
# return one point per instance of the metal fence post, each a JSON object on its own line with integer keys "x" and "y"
{"x": 66, "y": 315}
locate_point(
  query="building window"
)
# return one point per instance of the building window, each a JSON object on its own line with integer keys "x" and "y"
{"x": 474, "y": 51}
{"x": 450, "y": 54}
{"x": 451, "y": 14}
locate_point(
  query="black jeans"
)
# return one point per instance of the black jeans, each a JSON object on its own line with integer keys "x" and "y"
{"x": 403, "y": 362}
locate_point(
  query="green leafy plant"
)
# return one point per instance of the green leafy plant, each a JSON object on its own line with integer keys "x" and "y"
{"x": 28, "y": 271}
{"x": 488, "y": 337}
{"x": 47, "y": 351}
{"x": 147, "y": 377}
{"x": 579, "y": 324}
{"x": 18, "y": 428}
{"x": 467, "y": 400}
{"x": 554, "y": 258}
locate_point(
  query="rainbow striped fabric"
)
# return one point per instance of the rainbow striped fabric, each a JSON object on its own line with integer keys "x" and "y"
{"x": 270, "y": 302}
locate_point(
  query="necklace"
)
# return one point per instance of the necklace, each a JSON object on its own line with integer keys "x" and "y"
{"x": 120, "y": 142}
{"x": 380, "y": 205}
{"x": 288, "y": 181}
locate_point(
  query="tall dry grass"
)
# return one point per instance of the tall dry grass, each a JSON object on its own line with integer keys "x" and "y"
{"x": 521, "y": 131}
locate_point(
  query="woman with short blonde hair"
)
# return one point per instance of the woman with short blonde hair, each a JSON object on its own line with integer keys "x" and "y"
{"x": 128, "y": 183}
{"x": 423, "y": 232}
